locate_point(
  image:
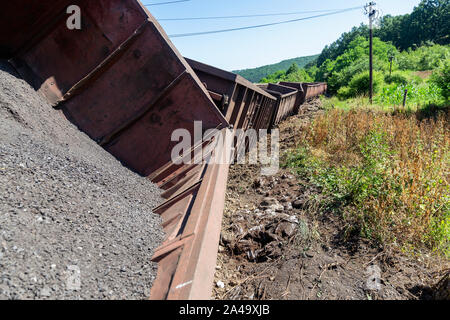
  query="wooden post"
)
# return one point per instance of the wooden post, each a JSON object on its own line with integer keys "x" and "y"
{"x": 371, "y": 64}
{"x": 391, "y": 58}
{"x": 404, "y": 98}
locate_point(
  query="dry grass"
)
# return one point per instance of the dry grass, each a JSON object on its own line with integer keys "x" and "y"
{"x": 388, "y": 170}
{"x": 424, "y": 74}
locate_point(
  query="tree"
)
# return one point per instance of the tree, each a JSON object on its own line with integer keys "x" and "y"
{"x": 355, "y": 60}
{"x": 339, "y": 46}
{"x": 430, "y": 21}
{"x": 442, "y": 79}
{"x": 293, "y": 69}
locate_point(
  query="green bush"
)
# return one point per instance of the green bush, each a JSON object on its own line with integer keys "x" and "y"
{"x": 441, "y": 78}
{"x": 355, "y": 60}
{"x": 345, "y": 93}
{"x": 397, "y": 78}
{"x": 360, "y": 83}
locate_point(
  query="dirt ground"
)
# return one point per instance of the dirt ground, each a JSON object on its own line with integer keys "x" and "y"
{"x": 276, "y": 245}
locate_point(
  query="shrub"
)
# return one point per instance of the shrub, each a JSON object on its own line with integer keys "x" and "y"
{"x": 354, "y": 61}
{"x": 441, "y": 78}
{"x": 345, "y": 93}
{"x": 397, "y": 78}
{"x": 360, "y": 83}
{"x": 423, "y": 58}
{"x": 294, "y": 74}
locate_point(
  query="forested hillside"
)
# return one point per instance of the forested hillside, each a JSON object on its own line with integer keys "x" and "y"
{"x": 255, "y": 75}
{"x": 429, "y": 22}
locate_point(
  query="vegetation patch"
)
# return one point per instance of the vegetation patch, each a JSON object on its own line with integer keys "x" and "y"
{"x": 385, "y": 174}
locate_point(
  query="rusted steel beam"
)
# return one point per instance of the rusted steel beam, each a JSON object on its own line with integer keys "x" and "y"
{"x": 215, "y": 96}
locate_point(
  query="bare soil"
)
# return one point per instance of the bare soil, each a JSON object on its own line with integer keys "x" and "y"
{"x": 276, "y": 244}
{"x": 424, "y": 74}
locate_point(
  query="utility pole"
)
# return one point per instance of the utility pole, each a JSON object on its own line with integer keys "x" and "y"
{"x": 372, "y": 12}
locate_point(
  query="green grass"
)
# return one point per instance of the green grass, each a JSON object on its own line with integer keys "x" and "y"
{"x": 421, "y": 92}
{"x": 417, "y": 95}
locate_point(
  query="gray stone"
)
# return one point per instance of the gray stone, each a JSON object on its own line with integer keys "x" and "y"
{"x": 64, "y": 175}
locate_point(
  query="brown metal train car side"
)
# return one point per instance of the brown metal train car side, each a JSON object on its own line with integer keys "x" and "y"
{"x": 300, "y": 93}
{"x": 286, "y": 98}
{"x": 314, "y": 89}
{"x": 244, "y": 100}
{"x": 246, "y": 105}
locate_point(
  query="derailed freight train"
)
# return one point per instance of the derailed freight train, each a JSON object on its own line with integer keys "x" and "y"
{"x": 121, "y": 80}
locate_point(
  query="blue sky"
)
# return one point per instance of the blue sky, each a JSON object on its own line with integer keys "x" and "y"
{"x": 257, "y": 47}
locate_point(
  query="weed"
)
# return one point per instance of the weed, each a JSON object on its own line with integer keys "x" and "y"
{"x": 387, "y": 171}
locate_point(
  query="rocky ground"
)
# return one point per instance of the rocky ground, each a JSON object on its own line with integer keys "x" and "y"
{"x": 276, "y": 244}
{"x": 74, "y": 223}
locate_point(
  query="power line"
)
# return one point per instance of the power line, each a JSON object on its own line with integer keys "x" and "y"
{"x": 180, "y": 35}
{"x": 246, "y": 16}
{"x": 161, "y": 3}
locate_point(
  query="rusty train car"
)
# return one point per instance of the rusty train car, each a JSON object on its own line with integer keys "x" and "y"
{"x": 290, "y": 97}
{"x": 314, "y": 89}
{"x": 242, "y": 103}
{"x": 300, "y": 93}
{"x": 286, "y": 98}
{"x": 306, "y": 91}
{"x": 122, "y": 81}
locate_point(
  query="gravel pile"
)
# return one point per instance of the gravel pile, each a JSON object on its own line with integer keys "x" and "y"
{"x": 74, "y": 223}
